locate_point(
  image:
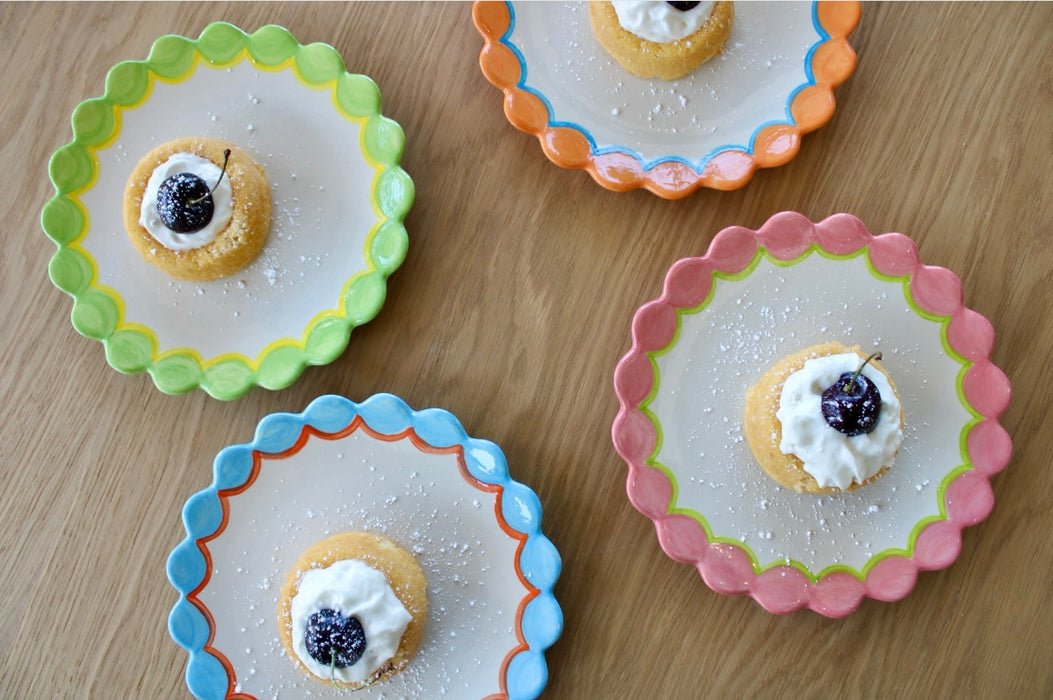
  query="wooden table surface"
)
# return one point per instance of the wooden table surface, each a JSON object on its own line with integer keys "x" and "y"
{"x": 511, "y": 311}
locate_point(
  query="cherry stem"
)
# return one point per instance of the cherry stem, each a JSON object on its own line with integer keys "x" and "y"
{"x": 198, "y": 200}
{"x": 851, "y": 386}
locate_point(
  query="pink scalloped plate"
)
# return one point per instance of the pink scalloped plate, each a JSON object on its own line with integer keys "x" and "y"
{"x": 745, "y": 109}
{"x": 721, "y": 321}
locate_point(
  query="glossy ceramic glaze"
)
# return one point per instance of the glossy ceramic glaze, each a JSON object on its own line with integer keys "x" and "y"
{"x": 720, "y": 322}
{"x": 339, "y": 195}
{"x": 744, "y": 110}
{"x": 378, "y": 466}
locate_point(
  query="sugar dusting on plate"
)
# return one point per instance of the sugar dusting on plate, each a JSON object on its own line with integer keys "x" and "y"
{"x": 360, "y": 483}
{"x": 722, "y": 102}
{"x": 322, "y": 212}
{"x": 747, "y": 326}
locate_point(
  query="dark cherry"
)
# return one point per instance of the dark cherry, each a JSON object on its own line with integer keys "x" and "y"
{"x": 335, "y": 640}
{"x": 184, "y": 201}
{"x": 852, "y": 404}
{"x": 683, "y": 6}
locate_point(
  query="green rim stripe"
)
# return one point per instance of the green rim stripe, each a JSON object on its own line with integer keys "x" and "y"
{"x": 966, "y": 465}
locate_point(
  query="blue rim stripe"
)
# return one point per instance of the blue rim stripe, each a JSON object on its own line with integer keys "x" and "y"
{"x": 506, "y": 39}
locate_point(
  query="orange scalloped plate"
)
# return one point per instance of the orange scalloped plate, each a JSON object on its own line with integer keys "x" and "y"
{"x": 745, "y": 109}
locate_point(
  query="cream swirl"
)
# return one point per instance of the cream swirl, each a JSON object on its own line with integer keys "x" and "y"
{"x": 222, "y": 200}
{"x": 835, "y": 459}
{"x": 353, "y": 589}
{"x": 660, "y": 21}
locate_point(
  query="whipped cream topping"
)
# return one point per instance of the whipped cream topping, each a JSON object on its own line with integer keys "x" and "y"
{"x": 353, "y": 589}
{"x": 221, "y": 199}
{"x": 835, "y": 459}
{"x": 660, "y": 21}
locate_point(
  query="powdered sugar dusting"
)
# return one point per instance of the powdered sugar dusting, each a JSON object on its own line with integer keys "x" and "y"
{"x": 321, "y": 210}
{"x": 360, "y": 483}
{"x": 723, "y": 349}
{"x": 722, "y": 102}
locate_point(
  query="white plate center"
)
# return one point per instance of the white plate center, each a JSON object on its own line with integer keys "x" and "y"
{"x": 417, "y": 499}
{"x": 718, "y": 106}
{"x": 322, "y": 210}
{"x": 749, "y": 325}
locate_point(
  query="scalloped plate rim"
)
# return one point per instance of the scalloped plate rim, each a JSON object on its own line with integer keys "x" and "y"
{"x": 783, "y": 589}
{"x": 386, "y": 172}
{"x": 687, "y": 177}
{"x": 538, "y": 564}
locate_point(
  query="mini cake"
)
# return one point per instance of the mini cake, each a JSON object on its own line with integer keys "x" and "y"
{"x": 824, "y": 420}
{"x": 352, "y": 610}
{"x": 665, "y": 40}
{"x": 197, "y": 208}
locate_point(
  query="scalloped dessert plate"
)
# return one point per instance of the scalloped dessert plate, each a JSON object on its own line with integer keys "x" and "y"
{"x": 376, "y": 466}
{"x": 722, "y": 320}
{"x": 339, "y": 200}
{"x": 742, "y": 110}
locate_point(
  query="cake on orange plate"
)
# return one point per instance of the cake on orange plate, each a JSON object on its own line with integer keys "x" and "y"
{"x": 664, "y": 40}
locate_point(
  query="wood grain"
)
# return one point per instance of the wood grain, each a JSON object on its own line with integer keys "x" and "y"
{"x": 511, "y": 311}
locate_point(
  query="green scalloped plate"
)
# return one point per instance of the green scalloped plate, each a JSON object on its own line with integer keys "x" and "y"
{"x": 339, "y": 201}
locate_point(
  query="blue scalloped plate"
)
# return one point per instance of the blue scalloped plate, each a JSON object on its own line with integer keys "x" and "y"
{"x": 376, "y": 466}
